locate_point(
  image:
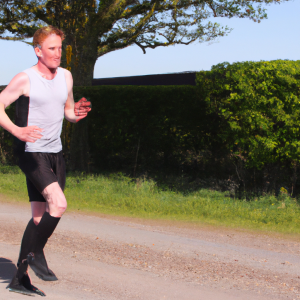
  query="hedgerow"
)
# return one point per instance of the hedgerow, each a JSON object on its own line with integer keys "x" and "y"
{"x": 258, "y": 104}
{"x": 237, "y": 129}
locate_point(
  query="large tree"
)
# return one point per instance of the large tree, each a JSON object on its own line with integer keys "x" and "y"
{"x": 94, "y": 28}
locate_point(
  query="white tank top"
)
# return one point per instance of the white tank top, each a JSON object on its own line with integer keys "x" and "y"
{"x": 47, "y": 100}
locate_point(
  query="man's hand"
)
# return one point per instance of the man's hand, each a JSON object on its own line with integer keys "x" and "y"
{"x": 81, "y": 108}
{"x": 28, "y": 134}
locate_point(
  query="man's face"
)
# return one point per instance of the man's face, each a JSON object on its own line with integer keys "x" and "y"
{"x": 50, "y": 53}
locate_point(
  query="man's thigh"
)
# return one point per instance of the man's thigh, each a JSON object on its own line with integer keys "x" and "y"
{"x": 41, "y": 170}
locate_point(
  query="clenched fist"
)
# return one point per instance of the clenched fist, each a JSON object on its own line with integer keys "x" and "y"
{"x": 81, "y": 108}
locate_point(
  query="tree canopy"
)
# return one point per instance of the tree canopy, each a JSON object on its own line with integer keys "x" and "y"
{"x": 94, "y": 28}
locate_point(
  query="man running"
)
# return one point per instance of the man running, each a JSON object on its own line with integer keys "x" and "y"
{"x": 44, "y": 96}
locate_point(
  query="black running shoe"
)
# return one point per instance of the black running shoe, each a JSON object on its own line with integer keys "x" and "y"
{"x": 21, "y": 283}
{"x": 40, "y": 268}
{"x": 17, "y": 287}
{"x": 27, "y": 284}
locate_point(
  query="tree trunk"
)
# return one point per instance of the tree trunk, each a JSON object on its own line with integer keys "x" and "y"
{"x": 81, "y": 57}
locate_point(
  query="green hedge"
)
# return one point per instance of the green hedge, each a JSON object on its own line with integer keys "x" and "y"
{"x": 144, "y": 122}
{"x": 258, "y": 104}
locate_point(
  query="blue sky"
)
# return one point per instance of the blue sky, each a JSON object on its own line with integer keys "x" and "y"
{"x": 275, "y": 38}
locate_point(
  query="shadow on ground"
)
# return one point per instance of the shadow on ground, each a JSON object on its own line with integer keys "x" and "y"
{"x": 7, "y": 270}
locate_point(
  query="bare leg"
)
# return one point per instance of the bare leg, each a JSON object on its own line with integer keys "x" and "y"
{"x": 37, "y": 210}
{"x": 55, "y": 204}
{"x": 56, "y": 200}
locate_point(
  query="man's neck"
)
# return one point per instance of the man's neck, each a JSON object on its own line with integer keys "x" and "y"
{"x": 45, "y": 71}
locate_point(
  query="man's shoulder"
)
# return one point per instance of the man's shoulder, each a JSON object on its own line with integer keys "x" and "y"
{"x": 21, "y": 79}
{"x": 22, "y": 76}
{"x": 67, "y": 72}
{"x": 17, "y": 87}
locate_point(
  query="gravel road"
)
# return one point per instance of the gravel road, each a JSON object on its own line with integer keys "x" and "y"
{"x": 110, "y": 258}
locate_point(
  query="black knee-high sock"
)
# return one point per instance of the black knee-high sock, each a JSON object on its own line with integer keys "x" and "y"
{"x": 36, "y": 236}
{"x": 45, "y": 229}
{"x": 28, "y": 240}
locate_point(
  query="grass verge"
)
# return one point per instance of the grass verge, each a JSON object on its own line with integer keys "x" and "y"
{"x": 117, "y": 194}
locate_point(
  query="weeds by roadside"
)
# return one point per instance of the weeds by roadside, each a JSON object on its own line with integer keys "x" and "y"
{"x": 121, "y": 195}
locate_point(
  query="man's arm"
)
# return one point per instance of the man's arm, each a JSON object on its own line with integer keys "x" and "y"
{"x": 74, "y": 112}
{"x": 10, "y": 94}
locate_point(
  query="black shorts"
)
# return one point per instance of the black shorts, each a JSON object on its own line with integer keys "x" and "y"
{"x": 42, "y": 169}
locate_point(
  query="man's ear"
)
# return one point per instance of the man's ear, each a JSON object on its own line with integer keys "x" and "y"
{"x": 38, "y": 52}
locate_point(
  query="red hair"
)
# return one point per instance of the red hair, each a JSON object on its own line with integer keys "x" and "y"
{"x": 41, "y": 34}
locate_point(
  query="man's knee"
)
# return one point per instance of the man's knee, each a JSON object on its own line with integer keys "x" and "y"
{"x": 55, "y": 199}
{"x": 58, "y": 203}
{"x": 62, "y": 205}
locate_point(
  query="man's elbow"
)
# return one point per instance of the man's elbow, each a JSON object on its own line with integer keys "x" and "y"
{"x": 2, "y": 106}
{"x": 70, "y": 117}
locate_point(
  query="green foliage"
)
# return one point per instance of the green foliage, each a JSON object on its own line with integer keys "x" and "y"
{"x": 6, "y": 169}
{"x": 144, "y": 121}
{"x": 13, "y": 184}
{"x": 120, "y": 195}
{"x": 116, "y": 25}
{"x": 258, "y": 105}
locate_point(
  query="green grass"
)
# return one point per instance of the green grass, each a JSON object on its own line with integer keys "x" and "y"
{"x": 120, "y": 195}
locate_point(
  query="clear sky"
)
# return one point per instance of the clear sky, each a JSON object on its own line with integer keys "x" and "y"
{"x": 278, "y": 37}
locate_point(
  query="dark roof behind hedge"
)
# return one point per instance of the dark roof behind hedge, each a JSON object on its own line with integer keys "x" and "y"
{"x": 186, "y": 78}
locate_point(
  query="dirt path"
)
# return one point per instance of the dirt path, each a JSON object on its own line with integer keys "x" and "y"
{"x": 109, "y": 258}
